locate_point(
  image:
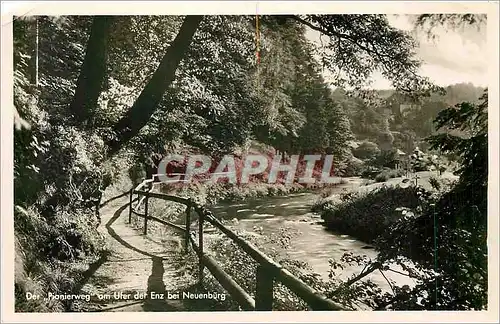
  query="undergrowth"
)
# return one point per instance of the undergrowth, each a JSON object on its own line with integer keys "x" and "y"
{"x": 368, "y": 215}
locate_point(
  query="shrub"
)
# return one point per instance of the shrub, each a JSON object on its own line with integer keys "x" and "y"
{"x": 381, "y": 174}
{"x": 384, "y": 159}
{"x": 137, "y": 173}
{"x": 368, "y": 215}
{"x": 382, "y": 177}
{"x": 352, "y": 167}
{"x": 366, "y": 150}
{"x": 42, "y": 245}
{"x": 387, "y": 174}
{"x": 370, "y": 172}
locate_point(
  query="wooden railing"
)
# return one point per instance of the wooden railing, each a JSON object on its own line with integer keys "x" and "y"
{"x": 268, "y": 271}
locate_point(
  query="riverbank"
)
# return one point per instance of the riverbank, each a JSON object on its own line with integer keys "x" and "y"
{"x": 284, "y": 227}
{"x": 209, "y": 195}
{"x": 367, "y": 211}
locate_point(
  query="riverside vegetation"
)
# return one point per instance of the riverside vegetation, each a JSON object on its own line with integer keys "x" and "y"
{"x": 98, "y": 101}
{"x": 427, "y": 227}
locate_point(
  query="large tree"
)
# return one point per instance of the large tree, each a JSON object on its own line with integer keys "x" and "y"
{"x": 357, "y": 46}
{"x": 93, "y": 71}
{"x": 145, "y": 105}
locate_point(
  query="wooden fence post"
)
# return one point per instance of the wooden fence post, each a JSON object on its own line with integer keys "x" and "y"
{"x": 146, "y": 206}
{"x": 264, "y": 289}
{"x": 201, "y": 217}
{"x": 188, "y": 226}
{"x": 130, "y": 206}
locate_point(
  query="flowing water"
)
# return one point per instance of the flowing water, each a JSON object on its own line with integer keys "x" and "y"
{"x": 313, "y": 243}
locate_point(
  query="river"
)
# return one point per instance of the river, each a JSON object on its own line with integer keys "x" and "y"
{"x": 312, "y": 243}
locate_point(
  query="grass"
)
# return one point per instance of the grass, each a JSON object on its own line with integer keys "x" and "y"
{"x": 53, "y": 255}
{"x": 37, "y": 273}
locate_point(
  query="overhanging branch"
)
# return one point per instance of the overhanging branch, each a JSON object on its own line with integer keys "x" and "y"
{"x": 147, "y": 102}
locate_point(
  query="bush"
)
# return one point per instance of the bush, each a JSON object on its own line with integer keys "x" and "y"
{"x": 382, "y": 177}
{"x": 368, "y": 215}
{"x": 419, "y": 161}
{"x": 384, "y": 159}
{"x": 41, "y": 247}
{"x": 387, "y": 174}
{"x": 352, "y": 167}
{"x": 137, "y": 173}
{"x": 370, "y": 172}
{"x": 381, "y": 174}
{"x": 366, "y": 150}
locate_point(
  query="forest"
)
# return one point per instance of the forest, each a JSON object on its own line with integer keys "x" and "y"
{"x": 100, "y": 99}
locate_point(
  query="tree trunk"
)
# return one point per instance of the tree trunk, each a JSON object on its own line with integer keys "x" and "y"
{"x": 147, "y": 102}
{"x": 93, "y": 70}
{"x": 33, "y": 70}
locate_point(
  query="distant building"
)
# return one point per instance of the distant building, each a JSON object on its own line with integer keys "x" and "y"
{"x": 401, "y": 160}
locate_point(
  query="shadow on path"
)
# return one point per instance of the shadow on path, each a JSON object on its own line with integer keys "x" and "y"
{"x": 114, "y": 198}
{"x": 117, "y": 237}
{"x": 156, "y": 301}
{"x": 156, "y": 291}
{"x": 91, "y": 271}
{"x": 121, "y": 264}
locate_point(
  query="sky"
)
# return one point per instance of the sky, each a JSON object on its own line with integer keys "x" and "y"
{"x": 454, "y": 56}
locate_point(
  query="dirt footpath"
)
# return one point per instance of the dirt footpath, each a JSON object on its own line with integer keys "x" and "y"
{"x": 135, "y": 266}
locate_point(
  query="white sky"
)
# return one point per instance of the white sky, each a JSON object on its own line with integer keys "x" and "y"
{"x": 454, "y": 56}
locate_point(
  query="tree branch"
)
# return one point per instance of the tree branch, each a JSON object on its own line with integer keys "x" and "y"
{"x": 403, "y": 274}
{"x": 371, "y": 268}
{"x": 147, "y": 102}
{"x": 390, "y": 285}
{"x": 338, "y": 35}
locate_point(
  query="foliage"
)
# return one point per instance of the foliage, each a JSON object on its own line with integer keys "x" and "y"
{"x": 309, "y": 120}
{"x": 41, "y": 246}
{"x": 453, "y": 222}
{"x": 57, "y": 174}
{"x": 428, "y": 22}
{"x": 455, "y": 219}
{"x": 62, "y": 166}
{"x": 408, "y": 120}
{"x": 242, "y": 268}
{"x": 388, "y": 174}
{"x": 368, "y": 215}
{"x": 427, "y": 229}
{"x": 418, "y": 161}
{"x": 360, "y": 44}
{"x": 384, "y": 159}
{"x": 366, "y": 150}
{"x": 350, "y": 167}
{"x": 366, "y": 120}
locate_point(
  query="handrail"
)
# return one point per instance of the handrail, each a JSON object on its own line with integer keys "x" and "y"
{"x": 267, "y": 271}
{"x": 239, "y": 294}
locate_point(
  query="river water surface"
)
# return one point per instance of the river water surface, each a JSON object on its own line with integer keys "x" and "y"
{"x": 313, "y": 243}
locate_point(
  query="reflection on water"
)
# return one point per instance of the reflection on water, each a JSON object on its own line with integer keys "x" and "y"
{"x": 313, "y": 243}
